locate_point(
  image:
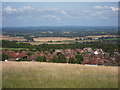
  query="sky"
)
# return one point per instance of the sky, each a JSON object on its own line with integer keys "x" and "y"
{"x": 20, "y": 14}
{"x": 60, "y": 0}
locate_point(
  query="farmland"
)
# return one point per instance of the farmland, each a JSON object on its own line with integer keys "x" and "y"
{"x": 52, "y": 39}
{"x": 53, "y": 75}
{"x": 38, "y": 43}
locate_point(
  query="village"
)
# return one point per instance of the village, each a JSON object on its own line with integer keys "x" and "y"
{"x": 61, "y": 44}
{"x": 69, "y": 56}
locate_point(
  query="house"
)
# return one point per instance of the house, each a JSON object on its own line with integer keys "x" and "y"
{"x": 58, "y": 51}
{"x": 87, "y": 56}
{"x": 96, "y": 61}
{"x": 79, "y": 50}
{"x": 115, "y": 60}
{"x": 70, "y": 51}
{"x": 95, "y": 38}
{"x": 32, "y": 58}
{"x": 96, "y": 52}
{"x": 13, "y": 56}
{"x": 7, "y": 51}
{"x": 88, "y": 49}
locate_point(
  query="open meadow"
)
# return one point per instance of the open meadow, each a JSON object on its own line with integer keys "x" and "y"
{"x": 53, "y": 75}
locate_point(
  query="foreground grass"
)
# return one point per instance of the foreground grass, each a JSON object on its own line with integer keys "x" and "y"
{"x": 52, "y": 75}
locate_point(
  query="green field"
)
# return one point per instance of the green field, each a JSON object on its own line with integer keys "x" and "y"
{"x": 112, "y": 39}
{"x": 15, "y": 48}
{"x": 53, "y": 75}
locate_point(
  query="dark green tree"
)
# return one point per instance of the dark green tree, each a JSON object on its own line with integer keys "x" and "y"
{"x": 62, "y": 59}
{"x": 53, "y": 59}
{"x": 39, "y": 59}
{"x": 44, "y": 59}
{"x": 30, "y": 53}
{"x": 79, "y": 58}
{"x": 4, "y": 56}
{"x": 72, "y": 60}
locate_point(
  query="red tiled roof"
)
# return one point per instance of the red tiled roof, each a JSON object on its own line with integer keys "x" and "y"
{"x": 40, "y": 55}
{"x": 79, "y": 50}
{"x": 94, "y": 61}
{"x": 12, "y": 54}
{"x": 32, "y": 57}
{"x": 15, "y": 55}
{"x": 21, "y": 55}
{"x": 7, "y": 51}
{"x": 85, "y": 61}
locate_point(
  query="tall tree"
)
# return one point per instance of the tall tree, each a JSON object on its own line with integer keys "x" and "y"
{"x": 72, "y": 60}
{"x": 4, "y": 56}
{"x": 39, "y": 58}
{"x": 79, "y": 58}
{"x": 62, "y": 59}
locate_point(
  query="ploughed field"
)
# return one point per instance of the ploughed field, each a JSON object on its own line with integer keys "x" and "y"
{"x": 54, "y": 75}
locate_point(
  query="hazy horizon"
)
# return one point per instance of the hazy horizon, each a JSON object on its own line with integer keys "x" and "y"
{"x": 52, "y": 26}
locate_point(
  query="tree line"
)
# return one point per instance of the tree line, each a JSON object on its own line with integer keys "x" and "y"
{"x": 107, "y": 47}
{"x": 61, "y": 59}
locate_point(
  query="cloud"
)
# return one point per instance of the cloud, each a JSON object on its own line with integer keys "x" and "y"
{"x": 25, "y": 8}
{"x": 64, "y": 12}
{"x": 49, "y": 13}
{"x": 115, "y": 9}
{"x": 52, "y": 17}
{"x": 9, "y": 10}
{"x": 106, "y": 8}
{"x": 50, "y": 9}
{"x": 105, "y": 12}
{"x": 42, "y": 16}
{"x": 101, "y": 7}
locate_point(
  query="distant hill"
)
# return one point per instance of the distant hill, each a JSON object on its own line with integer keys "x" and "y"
{"x": 61, "y": 28}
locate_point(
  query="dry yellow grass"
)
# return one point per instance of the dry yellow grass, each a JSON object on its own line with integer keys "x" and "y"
{"x": 12, "y": 38}
{"x": 0, "y": 74}
{"x": 38, "y": 43}
{"x": 52, "y": 39}
{"x": 104, "y": 36}
{"x": 52, "y": 75}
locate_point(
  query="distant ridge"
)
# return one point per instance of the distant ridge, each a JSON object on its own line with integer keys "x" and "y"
{"x": 56, "y": 26}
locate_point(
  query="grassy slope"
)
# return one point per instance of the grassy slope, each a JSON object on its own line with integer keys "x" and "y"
{"x": 52, "y": 75}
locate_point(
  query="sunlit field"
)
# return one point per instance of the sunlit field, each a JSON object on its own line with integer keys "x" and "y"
{"x": 53, "y": 75}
